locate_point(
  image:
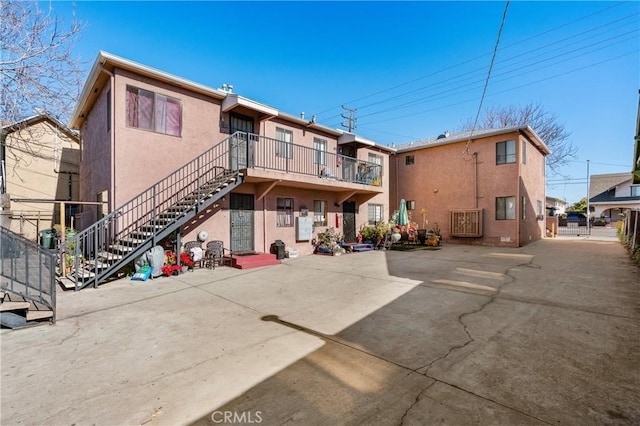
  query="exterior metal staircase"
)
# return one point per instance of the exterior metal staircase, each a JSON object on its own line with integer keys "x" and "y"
{"x": 102, "y": 249}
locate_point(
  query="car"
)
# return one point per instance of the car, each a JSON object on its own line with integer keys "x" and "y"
{"x": 577, "y": 217}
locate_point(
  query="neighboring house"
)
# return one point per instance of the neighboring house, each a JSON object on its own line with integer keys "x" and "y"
{"x": 556, "y": 206}
{"x": 482, "y": 188}
{"x": 611, "y": 194}
{"x": 139, "y": 124}
{"x": 40, "y": 158}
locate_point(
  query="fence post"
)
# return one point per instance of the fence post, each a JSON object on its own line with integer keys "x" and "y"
{"x": 635, "y": 231}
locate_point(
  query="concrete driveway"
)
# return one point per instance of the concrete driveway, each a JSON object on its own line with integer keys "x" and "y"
{"x": 544, "y": 334}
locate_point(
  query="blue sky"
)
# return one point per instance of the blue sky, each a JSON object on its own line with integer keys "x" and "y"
{"x": 411, "y": 69}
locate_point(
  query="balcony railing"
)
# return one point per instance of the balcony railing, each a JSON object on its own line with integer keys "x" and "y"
{"x": 272, "y": 154}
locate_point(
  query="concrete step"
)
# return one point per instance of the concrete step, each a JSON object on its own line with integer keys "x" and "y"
{"x": 256, "y": 260}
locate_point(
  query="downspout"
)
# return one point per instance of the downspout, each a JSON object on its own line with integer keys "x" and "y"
{"x": 475, "y": 184}
{"x": 112, "y": 140}
{"x": 264, "y": 224}
{"x": 396, "y": 179}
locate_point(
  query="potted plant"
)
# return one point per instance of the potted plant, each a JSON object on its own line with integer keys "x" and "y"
{"x": 328, "y": 242}
{"x": 170, "y": 266}
{"x": 369, "y": 233}
{"x": 381, "y": 230}
{"x": 186, "y": 261}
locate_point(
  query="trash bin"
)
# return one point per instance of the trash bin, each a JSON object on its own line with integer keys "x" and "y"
{"x": 48, "y": 238}
{"x": 277, "y": 248}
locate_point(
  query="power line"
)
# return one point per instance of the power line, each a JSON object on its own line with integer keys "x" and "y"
{"x": 486, "y": 83}
{"x": 506, "y": 75}
{"x": 510, "y": 71}
{"x": 568, "y": 24}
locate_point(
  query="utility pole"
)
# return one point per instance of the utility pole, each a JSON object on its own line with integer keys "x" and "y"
{"x": 588, "y": 189}
{"x": 351, "y": 119}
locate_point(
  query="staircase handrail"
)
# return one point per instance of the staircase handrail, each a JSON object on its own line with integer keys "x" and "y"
{"x": 147, "y": 207}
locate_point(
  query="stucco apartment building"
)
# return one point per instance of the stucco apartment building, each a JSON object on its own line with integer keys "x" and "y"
{"x": 485, "y": 187}
{"x": 40, "y": 164}
{"x": 162, "y": 154}
{"x": 138, "y": 125}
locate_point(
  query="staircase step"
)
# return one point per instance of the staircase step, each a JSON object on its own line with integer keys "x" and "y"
{"x": 131, "y": 241}
{"x": 11, "y": 302}
{"x": 38, "y": 311}
{"x": 256, "y": 260}
{"x": 66, "y": 283}
{"x": 82, "y": 274}
{"x": 107, "y": 255}
{"x": 97, "y": 264}
{"x": 119, "y": 248}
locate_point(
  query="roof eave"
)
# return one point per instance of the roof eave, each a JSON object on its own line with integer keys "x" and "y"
{"x": 106, "y": 63}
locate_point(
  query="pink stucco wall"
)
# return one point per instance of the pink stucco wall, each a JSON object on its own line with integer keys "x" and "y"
{"x": 143, "y": 157}
{"x": 96, "y": 163}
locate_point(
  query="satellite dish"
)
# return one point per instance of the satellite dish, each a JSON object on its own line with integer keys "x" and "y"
{"x": 203, "y": 235}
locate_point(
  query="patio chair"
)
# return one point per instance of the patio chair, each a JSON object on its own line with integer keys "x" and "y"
{"x": 187, "y": 249}
{"x": 214, "y": 254}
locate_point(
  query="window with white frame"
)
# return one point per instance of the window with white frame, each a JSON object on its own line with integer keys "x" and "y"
{"x": 319, "y": 213}
{"x": 284, "y": 207}
{"x": 523, "y": 208}
{"x": 539, "y": 211}
{"x": 153, "y": 111}
{"x": 375, "y": 214}
{"x": 635, "y": 191}
{"x": 506, "y": 152}
{"x": 505, "y": 208}
{"x": 284, "y": 143}
{"x": 524, "y": 152}
{"x": 319, "y": 151}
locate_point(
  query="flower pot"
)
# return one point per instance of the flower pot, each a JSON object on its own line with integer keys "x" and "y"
{"x": 185, "y": 268}
{"x": 395, "y": 237}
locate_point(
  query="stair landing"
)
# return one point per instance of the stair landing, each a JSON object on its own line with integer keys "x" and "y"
{"x": 255, "y": 260}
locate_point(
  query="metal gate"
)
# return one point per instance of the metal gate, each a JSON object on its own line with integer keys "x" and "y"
{"x": 573, "y": 228}
{"x": 349, "y": 221}
{"x": 242, "y": 206}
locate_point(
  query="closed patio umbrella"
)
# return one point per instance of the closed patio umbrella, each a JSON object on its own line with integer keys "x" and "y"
{"x": 403, "y": 216}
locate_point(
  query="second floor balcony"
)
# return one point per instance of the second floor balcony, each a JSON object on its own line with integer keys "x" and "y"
{"x": 269, "y": 159}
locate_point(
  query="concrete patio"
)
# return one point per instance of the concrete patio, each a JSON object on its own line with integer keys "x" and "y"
{"x": 544, "y": 334}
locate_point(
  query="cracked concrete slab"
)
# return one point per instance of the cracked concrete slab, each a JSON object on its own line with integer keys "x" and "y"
{"x": 334, "y": 385}
{"x": 462, "y": 335}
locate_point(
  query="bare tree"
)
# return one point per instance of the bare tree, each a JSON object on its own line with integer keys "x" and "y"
{"x": 544, "y": 123}
{"x": 38, "y": 73}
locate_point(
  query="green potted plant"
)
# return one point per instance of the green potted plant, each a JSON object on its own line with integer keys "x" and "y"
{"x": 369, "y": 233}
